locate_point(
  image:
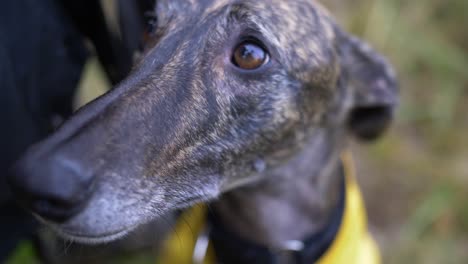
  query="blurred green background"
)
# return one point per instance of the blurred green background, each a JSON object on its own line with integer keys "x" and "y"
{"x": 415, "y": 179}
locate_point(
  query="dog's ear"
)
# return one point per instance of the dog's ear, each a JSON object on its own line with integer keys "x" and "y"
{"x": 372, "y": 84}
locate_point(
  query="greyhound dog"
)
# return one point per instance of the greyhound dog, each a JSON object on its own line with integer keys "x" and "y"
{"x": 245, "y": 103}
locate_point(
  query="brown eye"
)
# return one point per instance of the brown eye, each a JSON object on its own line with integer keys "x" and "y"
{"x": 249, "y": 56}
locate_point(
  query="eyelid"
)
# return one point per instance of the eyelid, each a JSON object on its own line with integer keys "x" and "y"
{"x": 252, "y": 34}
{"x": 253, "y": 40}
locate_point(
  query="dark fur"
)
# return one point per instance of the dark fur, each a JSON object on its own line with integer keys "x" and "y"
{"x": 187, "y": 125}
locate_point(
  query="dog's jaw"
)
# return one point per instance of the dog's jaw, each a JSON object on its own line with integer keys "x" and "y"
{"x": 292, "y": 200}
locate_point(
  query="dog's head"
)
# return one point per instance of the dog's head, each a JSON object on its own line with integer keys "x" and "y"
{"x": 224, "y": 92}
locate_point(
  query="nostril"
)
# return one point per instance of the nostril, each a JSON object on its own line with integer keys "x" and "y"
{"x": 55, "y": 188}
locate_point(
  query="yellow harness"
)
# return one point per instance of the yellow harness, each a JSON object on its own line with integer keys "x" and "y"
{"x": 353, "y": 243}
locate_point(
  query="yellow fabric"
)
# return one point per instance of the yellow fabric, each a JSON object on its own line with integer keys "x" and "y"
{"x": 353, "y": 243}
{"x": 179, "y": 247}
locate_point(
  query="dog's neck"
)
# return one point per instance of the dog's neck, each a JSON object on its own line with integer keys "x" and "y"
{"x": 292, "y": 202}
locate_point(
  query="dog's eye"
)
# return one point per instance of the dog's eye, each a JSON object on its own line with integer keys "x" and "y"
{"x": 249, "y": 56}
{"x": 150, "y": 29}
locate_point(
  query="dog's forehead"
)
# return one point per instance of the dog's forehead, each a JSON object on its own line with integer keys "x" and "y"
{"x": 295, "y": 23}
{"x": 295, "y": 14}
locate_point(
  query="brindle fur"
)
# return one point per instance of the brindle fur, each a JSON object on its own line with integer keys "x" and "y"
{"x": 187, "y": 126}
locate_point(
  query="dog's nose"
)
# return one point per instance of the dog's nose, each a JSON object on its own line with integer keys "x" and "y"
{"x": 53, "y": 188}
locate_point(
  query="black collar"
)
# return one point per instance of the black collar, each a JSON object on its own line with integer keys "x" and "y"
{"x": 230, "y": 248}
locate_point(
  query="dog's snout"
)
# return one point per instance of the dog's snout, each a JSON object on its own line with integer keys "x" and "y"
{"x": 55, "y": 188}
